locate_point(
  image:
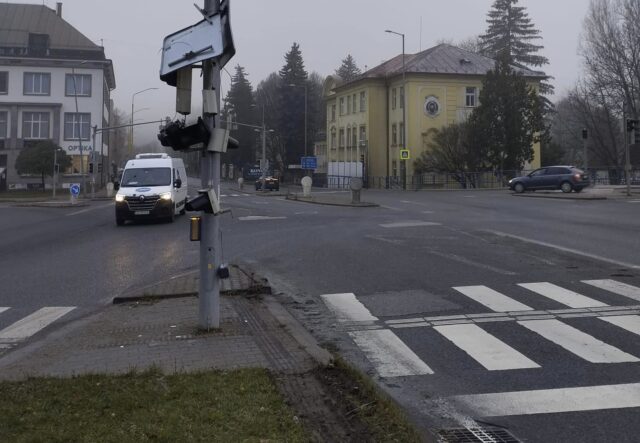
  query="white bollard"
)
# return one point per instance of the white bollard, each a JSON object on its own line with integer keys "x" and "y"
{"x": 110, "y": 189}
{"x": 240, "y": 183}
{"x": 306, "y": 186}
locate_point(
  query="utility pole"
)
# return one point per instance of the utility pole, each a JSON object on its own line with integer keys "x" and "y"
{"x": 210, "y": 251}
{"x": 264, "y": 153}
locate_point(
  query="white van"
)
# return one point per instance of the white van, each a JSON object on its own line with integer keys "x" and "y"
{"x": 152, "y": 186}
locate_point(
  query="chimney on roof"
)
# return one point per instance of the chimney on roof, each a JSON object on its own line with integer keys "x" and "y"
{"x": 59, "y": 9}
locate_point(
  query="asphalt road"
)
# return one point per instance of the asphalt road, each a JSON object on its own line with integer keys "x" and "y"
{"x": 414, "y": 257}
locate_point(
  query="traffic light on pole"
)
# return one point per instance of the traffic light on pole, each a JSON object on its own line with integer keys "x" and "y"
{"x": 91, "y": 168}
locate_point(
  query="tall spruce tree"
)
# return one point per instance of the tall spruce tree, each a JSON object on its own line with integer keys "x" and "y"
{"x": 509, "y": 119}
{"x": 510, "y": 30}
{"x": 239, "y": 107}
{"x": 291, "y": 96}
{"x": 349, "y": 69}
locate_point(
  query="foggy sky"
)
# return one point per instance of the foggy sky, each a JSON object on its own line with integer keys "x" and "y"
{"x": 132, "y": 32}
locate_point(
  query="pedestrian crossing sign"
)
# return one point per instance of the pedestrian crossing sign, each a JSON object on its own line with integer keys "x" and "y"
{"x": 405, "y": 154}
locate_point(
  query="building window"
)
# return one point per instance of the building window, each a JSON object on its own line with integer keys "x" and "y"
{"x": 394, "y": 135}
{"x": 348, "y": 104}
{"x": 471, "y": 97}
{"x": 82, "y": 85}
{"x": 348, "y": 137}
{"x": 333, "y": 138}
{"x": 354, "y": 137}
{"x": 37, "y": 83}
{"x": 401, "y": 97}
{"x": 363, "y": 135}
{"x": 401, "y": 130}
{"x": 4, "y": 82}
{"x": 355, "y": 107}
{"x": 394, "y": 98}
{"x": 341, "y": 105}
{"x": 363, "y": 101}
{"x": 35, "y": 125}
{"x": 333, "y": 113}
{"x": 341, "y": 138}
{"x": 4, "y": 124}
{"x": 394, "y": 168}
{"x": 77, "y": 126}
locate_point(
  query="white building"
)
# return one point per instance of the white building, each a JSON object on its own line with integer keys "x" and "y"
{"x": 55, "y": 84}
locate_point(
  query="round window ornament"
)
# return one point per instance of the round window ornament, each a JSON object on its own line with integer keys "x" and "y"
{"x": 432, "y": 106}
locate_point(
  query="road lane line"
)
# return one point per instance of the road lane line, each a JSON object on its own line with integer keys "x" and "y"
{"x": 552, "y": 401}
{"x": 409, "y": 224}
{"x": 492, "y": 299}
{"x": 388, "y": 354}
{"x": 490, "y": 352}
{"x": 629, "y": 322}
{"x": 31, "y": 324}
{"x": 347, "y": 307}
{"x": 616, "y": 287}
{"x": 561, "y": 295}
{"x": 563, "y": 249}
{"x": 82, "y": 211}
{"x": 3, "y": 309}
{"x": 259, "y": 217}
{"x": 577, "y": 342}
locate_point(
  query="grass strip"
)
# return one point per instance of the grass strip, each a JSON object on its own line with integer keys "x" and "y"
{"x": 240, "y": 405}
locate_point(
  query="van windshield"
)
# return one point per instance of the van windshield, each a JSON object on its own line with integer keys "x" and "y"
{"x": 135, "y": 177}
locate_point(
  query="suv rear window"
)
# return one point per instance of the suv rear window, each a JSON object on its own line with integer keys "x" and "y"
{"x": 558, "y": 171}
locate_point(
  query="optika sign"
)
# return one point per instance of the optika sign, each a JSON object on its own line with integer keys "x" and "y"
{"x": 76, "y": 148}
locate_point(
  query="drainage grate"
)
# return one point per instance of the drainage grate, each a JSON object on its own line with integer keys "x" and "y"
{"x": 477, "y": 435}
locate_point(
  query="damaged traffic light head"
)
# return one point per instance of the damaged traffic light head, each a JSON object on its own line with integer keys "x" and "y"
{"x": 183, "y": 138}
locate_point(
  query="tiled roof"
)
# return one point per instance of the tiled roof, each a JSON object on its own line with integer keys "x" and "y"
{"x": 442, "y": 59}
{"x": 18, "y": 20}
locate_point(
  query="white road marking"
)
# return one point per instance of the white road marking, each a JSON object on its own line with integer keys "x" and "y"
{"x": 3, "y": 309}
{"x": 629, "y": 322}
{"x": 347, "y": 307}
{"x": 391, "y": 208}
{"x": 390, "y": 356}
{"x": 484, "y": 348}
{"x": 427, "y": 212}
{"x": 409, "y": 224}
{"x": 577, "y": 342}
{"x": 29, "y": 325}
{"x": 492, "y": 299}
{"x": 563, "y": 249}
{"x": 561, "y": 295}
{"x": 616, "y": 287}
{"x": 552, "y": 401}
{"x": 82, "y": 211}
{"x": 259, "y": 217}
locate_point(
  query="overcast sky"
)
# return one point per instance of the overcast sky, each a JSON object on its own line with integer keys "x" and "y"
{"x": 132, "y": 32}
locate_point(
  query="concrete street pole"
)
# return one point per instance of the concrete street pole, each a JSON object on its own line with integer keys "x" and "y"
{"x": 264, "y": 153}
{"x": 210, "y": 251}
{"x": 55, "y": 160}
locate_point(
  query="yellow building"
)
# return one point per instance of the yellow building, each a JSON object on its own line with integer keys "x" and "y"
{"x": 365, "y": 116}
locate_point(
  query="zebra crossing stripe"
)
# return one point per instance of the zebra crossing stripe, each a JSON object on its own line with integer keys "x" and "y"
{"x": 31, "y": 324}
{"x": 561, "y": 295}
{"x": 388, "y": 354}
{"x": 629, "y": 322}
{"x": 492, "y": 299}
{"x": 347, "y": 307}
{"x": 577, "y": 342}
{"x": 552, "y": 401}
{"x": 616, "y": 287}
{"x": 486, "y": 349}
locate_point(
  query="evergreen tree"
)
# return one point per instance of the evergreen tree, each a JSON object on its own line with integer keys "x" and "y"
{"x": 291, "y": 94}
{"x": 509, "y": 119}
{"x": 38, "y": 159}
{"x": 348, "y": 70}
{"x": 510, "y": 30}
{"x": 239, "y": 107}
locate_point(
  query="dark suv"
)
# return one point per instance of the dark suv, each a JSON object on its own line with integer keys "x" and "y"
{"x": 565, "y": 178}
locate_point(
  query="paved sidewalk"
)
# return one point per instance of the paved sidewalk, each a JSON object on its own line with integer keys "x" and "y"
{"x": 150, "y": 328}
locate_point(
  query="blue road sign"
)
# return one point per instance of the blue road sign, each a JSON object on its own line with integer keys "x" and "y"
{"x": 75, "y": 189}
{"x": 309, "y": 162}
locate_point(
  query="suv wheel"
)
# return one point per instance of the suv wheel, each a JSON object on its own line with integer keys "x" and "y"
{"x": 519, "y": 188}
{"x": 566, "y": 187}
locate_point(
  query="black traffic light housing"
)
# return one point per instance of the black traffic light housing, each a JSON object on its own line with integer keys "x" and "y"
{"x": 200, "y": 203}
{"x": 632, "y": 125}
{"x": 180, "y": 137}
{"x": 91, "y": 168}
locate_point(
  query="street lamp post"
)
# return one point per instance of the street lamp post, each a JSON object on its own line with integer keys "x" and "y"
{"x": 78, "y": 121}
{"x": 132, "y": 112}
{"x": 404, "y": 114}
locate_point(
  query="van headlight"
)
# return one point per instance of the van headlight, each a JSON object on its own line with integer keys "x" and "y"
{"x": 166, "y": 196}
{"x": 119, "y": 197}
